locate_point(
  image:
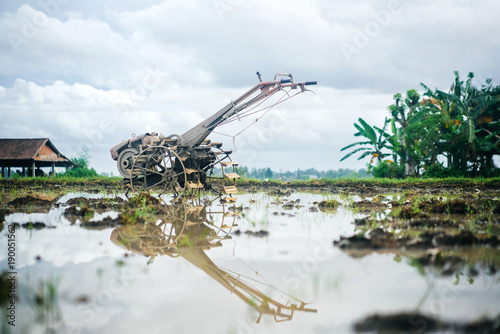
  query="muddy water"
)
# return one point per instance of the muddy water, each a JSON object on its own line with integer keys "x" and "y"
{"x": 265, "y": 264}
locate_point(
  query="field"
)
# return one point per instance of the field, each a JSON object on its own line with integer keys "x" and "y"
{"x": 317, "y": 256}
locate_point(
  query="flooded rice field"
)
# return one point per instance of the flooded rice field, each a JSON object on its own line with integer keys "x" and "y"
{"x": 269, "y": 262}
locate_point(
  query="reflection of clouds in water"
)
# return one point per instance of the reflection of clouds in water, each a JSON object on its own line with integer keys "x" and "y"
{"x": 297, "y": 257}
{"x": 74, "y": 244}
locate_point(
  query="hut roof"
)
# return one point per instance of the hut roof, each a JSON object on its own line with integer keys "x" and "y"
{"x": 19, "y": 152}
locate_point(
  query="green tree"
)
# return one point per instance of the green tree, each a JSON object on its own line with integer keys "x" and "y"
{"x": 269, "y": 173}
{"x": 378, "y": 139}
{"x": 462, "y": 124}
{"x": 82, "y": 164}
{"x": 460, "y": 127}
{"x": 402, "y": 111}
{"x": 242, "y": 171}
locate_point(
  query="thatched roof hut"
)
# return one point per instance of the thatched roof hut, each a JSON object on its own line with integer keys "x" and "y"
{"x": 31, "y": 153}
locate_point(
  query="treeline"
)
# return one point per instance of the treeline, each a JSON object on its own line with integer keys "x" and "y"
{"x": 439, "y": 134}
{"x": 299, "y": 174}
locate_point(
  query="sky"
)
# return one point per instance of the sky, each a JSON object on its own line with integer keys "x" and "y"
{"x": 90, "y": 74}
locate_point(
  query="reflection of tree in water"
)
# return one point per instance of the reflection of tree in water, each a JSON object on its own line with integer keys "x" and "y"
{"x": 187, "y": 230}
{"x": 435, "y": 255}
{"x": 424, "y": 318}
{"x": 444, "y": 252}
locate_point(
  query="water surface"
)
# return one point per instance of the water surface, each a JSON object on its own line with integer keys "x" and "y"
{"x": 225, "y": 269}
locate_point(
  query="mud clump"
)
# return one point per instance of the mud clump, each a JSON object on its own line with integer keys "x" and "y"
{"x": 130, "y": 217}
{"x": 81, "y": 207}
{"x": 393, "y": 204}
{"x": 377, "y": 239}
{"x": 29, "y": 200}
{"x": 97, "y": 203}
{"x": 35, "y": 226}
{"x": 428, "y": 223}
{"x": 143, "y": 199}
{"x": 360, "y": 221}
{"x": 289, "y": 205}
{"x": 396, "y": 323}
{"x": 280, "y": 192}
{"x": 368, "y": 205}
{"x": 408, "y": 213}
{"x": 420, "y": 323}
{"x": 104, "y": 223}
{"x": 32, "y": 203}
{"x": 126, "y": 217}
{"x": 313, "y": 209}
{"x": 380, "y": 239}
{"x": 73, "y": 213}
{"x": 355, "y": 242}
{"x": 259, "y": 234}
{"x": 454, "y": 206}
{"x": 328, "y": 204}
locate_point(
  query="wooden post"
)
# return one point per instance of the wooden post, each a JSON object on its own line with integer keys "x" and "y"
{"x": 24, "y": 172}
{"x": 53, "y": 169}
{"x": 8, "y": 172}
{"x": 33, "y": 169}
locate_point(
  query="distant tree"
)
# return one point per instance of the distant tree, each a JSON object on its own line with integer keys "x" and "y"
{"x": 242, "y": 171}
{"x": 264, "y": 173}
{"x": 269, "y": 173}
{"x": 362, "y": 173}
{"x": 82, "y": 164}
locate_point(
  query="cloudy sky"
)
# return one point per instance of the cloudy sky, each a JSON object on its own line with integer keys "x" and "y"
{"x": 91, "y": 73}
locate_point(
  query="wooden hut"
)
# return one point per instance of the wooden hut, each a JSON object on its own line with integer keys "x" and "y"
{"x": 30, "y": 154}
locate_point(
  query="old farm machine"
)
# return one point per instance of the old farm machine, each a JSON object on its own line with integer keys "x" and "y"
{"x": 179, "y": 163}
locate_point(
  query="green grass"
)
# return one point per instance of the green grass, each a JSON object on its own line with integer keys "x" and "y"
{"x": 451, "y": 182}
{"x": 393, "y": 185}
{"x": 57, "y": 179}
{"x": 33, "y": 183}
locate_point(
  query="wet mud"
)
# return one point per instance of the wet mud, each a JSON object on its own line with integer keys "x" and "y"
{"x": 280, "y": 188}
{"x": 259, "y": 233}
{"x": 379, "y": 239}
{"x": 32, "y": 203}
{"x": 420, "y": 323}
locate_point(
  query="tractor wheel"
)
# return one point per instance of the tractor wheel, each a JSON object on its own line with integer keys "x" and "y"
{"x": 158, "y": 169}
{"x": 125, "y": 162}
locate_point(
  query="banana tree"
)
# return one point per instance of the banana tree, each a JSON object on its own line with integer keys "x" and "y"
{"x": 464, "y": 117}
{"x": 402, "y": 111}
{"x": 377, "y": 140}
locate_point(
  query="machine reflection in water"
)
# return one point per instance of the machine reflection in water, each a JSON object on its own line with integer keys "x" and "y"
{"x": 187, "y": 229}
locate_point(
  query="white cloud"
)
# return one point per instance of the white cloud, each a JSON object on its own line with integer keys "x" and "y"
{"x": 79, "y": 115}
{"x": 82, "y": 73}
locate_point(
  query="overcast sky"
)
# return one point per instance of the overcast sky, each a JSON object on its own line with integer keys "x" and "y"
{"x": 91, "y": 73}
